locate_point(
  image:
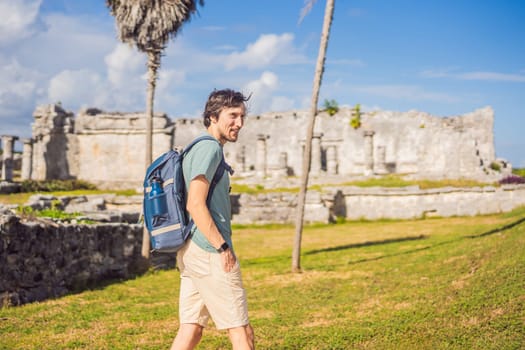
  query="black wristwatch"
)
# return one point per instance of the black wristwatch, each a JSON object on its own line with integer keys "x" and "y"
{"x": 223, "y": 247}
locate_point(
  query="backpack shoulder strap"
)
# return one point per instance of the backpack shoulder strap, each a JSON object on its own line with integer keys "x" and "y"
{"x": 195, "y": 141}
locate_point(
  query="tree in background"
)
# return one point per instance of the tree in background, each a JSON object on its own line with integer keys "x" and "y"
{"x": 148, "y": 25}
{"x": 319, "y": 69}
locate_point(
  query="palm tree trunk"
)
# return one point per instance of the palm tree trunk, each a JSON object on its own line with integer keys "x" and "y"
{"x": 319, "y": 69}
{"x": 153, "y": 65}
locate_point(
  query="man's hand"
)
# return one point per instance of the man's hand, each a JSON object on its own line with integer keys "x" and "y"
{"x": 228, "y": 260}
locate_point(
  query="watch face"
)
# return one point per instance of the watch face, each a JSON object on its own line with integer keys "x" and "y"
{"x": 223, "y": 247}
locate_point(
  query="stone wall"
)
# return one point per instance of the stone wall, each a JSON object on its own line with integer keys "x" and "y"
{"x": 356, "y": 203}
{"x": 412, "y": 202}
{"x": 280, "y": 208}
{"x": 347, "y": 202}
{"x": 111, "y": 149}
{"x": 41, "y": 259}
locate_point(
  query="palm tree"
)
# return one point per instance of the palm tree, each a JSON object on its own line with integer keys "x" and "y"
{"x": 319, "y": 69}
{"x": 148, "y": 25}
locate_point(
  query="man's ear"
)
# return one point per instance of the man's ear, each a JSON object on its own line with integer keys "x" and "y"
{"x": 213, "y": 118}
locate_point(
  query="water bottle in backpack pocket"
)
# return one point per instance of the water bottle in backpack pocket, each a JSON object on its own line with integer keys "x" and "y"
{"x": 157, "y": 198}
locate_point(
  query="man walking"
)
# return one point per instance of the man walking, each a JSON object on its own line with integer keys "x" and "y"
{"x": 211, "y": 282}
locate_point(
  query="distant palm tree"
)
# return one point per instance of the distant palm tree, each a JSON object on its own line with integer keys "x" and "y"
{"x": 148, "y": 25}
{"x": 319, "y": 69}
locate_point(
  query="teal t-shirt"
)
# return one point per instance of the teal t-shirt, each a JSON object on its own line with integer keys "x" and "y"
{"x": 203, "y": 159}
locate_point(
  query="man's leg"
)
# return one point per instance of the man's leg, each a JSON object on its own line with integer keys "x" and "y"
{"x": 242, "y": 337}
{"x": 188, "y": 336}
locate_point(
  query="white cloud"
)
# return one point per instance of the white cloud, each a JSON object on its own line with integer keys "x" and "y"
{"x": 225, "y": 48}
{"x": 75, "y": 88}
{"x": 169, "y": 77}
{"x": 123, "y": 87}
{"x": 368, "y": 108}
{"x": 282, "y": 103}
{"x": 436, "y": 73}
{"x": 263, "y": 99}
{"x": 268, "y": 49}
{"x": 492, "y": 76}
{"x": 167, "y": 92}
{"x": 86, "y": 88}
{"x": 480, "y": 75}
{"x": 67, "y": 43}
{"x": 348, "y": 62}
{"x": 213, "y": 28}
{"x": 19, "y": 87}
{"x": 261, "y": 91}
{"x": 406, "y": 92}
{"x": 16, "y": 79}
{"x": 18, "y": 19}
{"x": 124, "y": 63}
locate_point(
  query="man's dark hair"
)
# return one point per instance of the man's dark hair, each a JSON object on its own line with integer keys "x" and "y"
{"x": 220, "y": 99}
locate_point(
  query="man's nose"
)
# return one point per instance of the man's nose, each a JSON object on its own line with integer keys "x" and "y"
{"x": 239, "y": 122}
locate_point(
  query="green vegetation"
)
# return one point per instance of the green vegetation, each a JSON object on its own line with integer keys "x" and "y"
{"x": 384, "y": 181}
{"x": 454, "y": 283}
{"x": 258, "y": 189}
{"x": 519, "y": 172}
{"x": 21, "y": 198}
{"x": 427, "y": 184}
{"x": 398, "y": 181}
{"x": 495, "y": 166}
{"x": 331, "y": 107}
{"x": 55, "y": 185}
{"x": 53, "y": 213}
{"x": 355, "y": 122}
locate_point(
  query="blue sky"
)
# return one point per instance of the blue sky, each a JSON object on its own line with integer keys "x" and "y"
{"x": 446, "y": 58}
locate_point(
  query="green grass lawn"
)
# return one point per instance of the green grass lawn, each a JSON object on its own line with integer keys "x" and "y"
{"x": 441, "y": 283}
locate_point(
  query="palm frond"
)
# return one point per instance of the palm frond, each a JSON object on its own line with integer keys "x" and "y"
{"x": 150, "y": 24}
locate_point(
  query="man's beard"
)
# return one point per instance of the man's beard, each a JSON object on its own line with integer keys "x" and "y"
{"x": 230, "y": 137}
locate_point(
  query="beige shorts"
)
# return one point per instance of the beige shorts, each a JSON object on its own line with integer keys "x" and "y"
{"x": 206, "y": 290}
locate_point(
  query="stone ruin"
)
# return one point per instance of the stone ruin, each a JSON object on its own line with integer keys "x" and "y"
{"x": 107, "y": 148}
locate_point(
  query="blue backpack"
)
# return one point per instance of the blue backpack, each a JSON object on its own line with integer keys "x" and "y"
{"x": 164, "y": 203}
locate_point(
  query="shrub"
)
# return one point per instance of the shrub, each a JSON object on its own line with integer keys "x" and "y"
{"x": 495, "y": 166}
{"x": 55, "y": 185}
{"x": 355, "y": 122}
{"x": 331, "y": 107}
{"x": 512, "y": 179}
{"x": 50, "y": 213}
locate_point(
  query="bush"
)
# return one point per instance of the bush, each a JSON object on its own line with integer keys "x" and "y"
{"x": 55, "y": 185}
{"x": 355, "y": 122}
{"x": 512, "y": 180}
{"x": 51, "y": 213}
{"x": 495, "y": 166}
{"x": 331, "y": 107}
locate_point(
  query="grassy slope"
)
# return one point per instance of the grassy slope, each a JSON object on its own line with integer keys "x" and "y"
{"x": 454, "y": 283}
